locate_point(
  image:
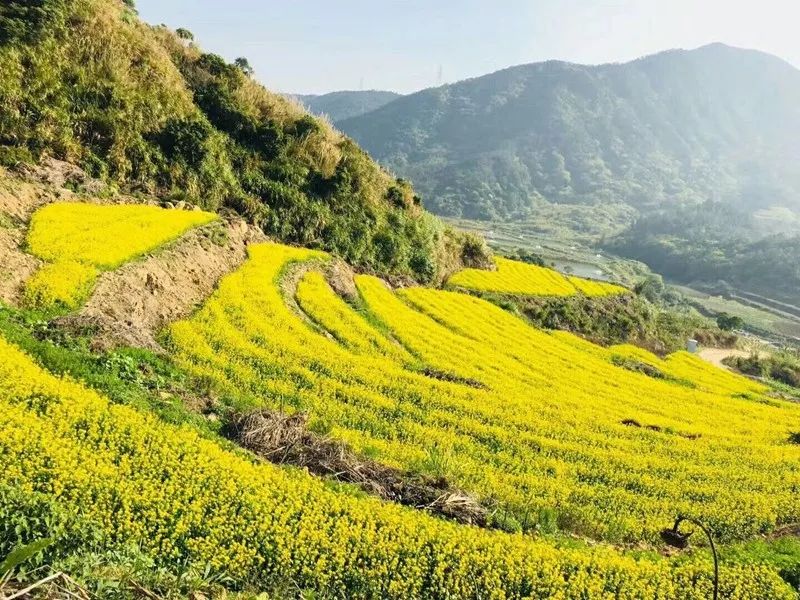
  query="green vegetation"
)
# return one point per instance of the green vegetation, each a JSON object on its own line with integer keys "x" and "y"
{"x": 130, "y": 376}
{"x": 146, "y": 109}
{"x": 623, "y": 319}
{"x": 683, "y": 147}
{"x": 782, "y": 367}
{"x": 345, "y": 104}
{"x": 715, "y": 244}
{"x": 728, "y": 322}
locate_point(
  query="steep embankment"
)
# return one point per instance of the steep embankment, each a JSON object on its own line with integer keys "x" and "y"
{"x": 128, "y": 305}
{"x": 131, "y": 305}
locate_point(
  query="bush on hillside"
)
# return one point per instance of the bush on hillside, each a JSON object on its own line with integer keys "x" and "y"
{"x": 728, "y": 322}
{"x": 621, "y": 319}
{"x": 782, "y": 366}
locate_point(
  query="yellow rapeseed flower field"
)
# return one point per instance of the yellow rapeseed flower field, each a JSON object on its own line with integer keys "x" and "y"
{"x": 64, "y": 283}
{"x": 79, "y": 239}
{"x": 435, "y": 381}
{"x": 545, "y": 426}
{"x": 522, "y": 279}
{"x": 114, "y": 477}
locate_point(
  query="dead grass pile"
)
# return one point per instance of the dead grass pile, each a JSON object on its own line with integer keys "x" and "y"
{"x": 286, "y": 439}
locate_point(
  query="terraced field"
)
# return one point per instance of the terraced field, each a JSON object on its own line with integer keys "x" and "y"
{"x": 103, "y": 477}
{"x": 531, "y": 422}
{"x": 555, "y": 436}
{"x": 518, "y": 278}
{"x": 78, "y": 240}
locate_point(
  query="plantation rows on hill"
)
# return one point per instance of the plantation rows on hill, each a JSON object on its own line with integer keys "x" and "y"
{"x": 551, "y": 435}
{"x": 98, "y": 478}
{"x": 534, "y": 427}
{"x": 522, "y": 279}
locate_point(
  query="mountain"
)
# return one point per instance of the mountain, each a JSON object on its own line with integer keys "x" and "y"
{"x": 679, "y": 127}
{"x": 145, "y": 109}
{"x": 190, "y": 408}
{"x": 346, "y": 104}
{"x": 713, "y": 246}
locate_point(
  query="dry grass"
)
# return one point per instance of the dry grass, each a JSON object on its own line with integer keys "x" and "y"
{"x": 285, "y": 439}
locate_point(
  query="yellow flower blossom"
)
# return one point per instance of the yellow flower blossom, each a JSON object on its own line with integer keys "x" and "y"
{"x": 522, "y": 279}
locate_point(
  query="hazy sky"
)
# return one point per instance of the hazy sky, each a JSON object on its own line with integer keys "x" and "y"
{"x": 315, "y": 46}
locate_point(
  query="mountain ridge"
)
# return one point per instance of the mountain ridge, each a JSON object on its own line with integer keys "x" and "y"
{"x": 344, "y": 104}
{"x": 418, "y": 135}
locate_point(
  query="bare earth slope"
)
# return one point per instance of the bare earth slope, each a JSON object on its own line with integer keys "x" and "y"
{"x": 132, "y": 304}
{"x": 19, "y": 198}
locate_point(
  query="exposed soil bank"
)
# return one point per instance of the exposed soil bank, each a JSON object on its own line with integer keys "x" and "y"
{"x": 130, "y": 305}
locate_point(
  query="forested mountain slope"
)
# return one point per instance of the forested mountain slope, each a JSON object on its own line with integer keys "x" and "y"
{"x": 713, "y": 123}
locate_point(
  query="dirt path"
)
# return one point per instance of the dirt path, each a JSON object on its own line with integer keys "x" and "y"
{"x": 717, "y": 355}
{"x": 130, "y": 305}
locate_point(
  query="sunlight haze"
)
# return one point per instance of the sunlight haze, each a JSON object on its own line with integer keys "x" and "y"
{"x": 316, "y": 47}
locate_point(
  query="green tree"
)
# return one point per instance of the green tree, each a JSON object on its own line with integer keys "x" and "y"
{"x": 243, "y": 65}
{"x": 728, "y": 322}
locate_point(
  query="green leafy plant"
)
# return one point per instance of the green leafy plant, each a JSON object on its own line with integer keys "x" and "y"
{"x": 22, "y": 554}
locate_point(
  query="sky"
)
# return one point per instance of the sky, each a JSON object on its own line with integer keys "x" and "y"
{"x": 318, "y": 46}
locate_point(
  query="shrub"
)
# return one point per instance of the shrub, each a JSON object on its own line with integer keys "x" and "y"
{"x": 185, "y": 141}
{"x": 728, "y": 322}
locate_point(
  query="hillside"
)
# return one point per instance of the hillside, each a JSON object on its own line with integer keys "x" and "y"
{"x": 238, "y": 360}
{"x": 680, "y": 126}
{"x": 147, "y": 110}
{"x": 345, "y": 104}
{"x": 447, "y": 446}
{"x": 712, "y": 246}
